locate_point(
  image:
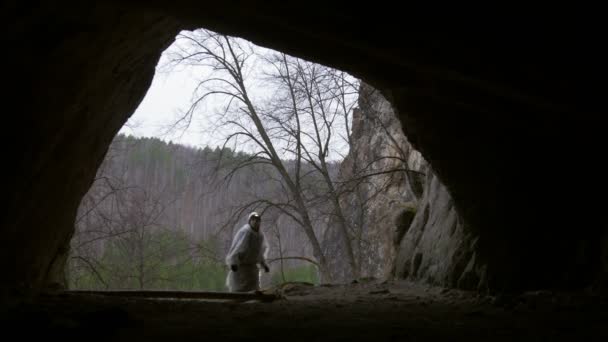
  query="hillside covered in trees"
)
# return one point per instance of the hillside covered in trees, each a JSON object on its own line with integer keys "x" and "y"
{"x": 161, "y": 215}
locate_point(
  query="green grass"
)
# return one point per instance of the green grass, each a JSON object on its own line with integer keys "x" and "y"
{"x": 306, "y": 273}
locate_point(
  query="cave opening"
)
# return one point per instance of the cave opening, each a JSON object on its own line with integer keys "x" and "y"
{"x": 226, "y": 128}
{"x": 491, "y": 115}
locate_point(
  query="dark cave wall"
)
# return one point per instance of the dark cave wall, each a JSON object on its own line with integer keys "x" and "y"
{"x": 496, "y": 118}
{"x": 79, "y": 74}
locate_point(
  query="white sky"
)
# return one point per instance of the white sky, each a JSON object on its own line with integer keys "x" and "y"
{"x": 170, "y": 93}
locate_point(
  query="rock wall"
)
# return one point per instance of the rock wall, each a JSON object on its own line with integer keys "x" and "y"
{"x": 388, "y": 179}
{"x": 72, "y": 88}
{"x": 438, "y": 247}
{"x": 409, "y": 224}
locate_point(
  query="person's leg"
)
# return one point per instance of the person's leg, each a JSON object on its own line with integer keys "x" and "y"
{"x": 248, "y": 279}
{"x": 230, "y": 282}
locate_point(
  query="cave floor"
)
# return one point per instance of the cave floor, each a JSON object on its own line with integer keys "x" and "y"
{"x": 399, "y": 311}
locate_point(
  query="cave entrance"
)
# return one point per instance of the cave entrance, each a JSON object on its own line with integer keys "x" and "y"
{"x": 228, "y": 128}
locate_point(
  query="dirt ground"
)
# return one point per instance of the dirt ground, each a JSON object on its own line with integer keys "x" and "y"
{"x": 391, "y": 311}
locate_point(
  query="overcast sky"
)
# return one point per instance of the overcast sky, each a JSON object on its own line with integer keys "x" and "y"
{"x": 170, "y": 93}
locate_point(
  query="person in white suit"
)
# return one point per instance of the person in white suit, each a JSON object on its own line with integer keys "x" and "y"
{"x": 247, "y": 253}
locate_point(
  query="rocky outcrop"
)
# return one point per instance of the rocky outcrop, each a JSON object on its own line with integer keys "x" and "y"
{"x": 386, "y": 178}
{"x": 438, "y": 247}
{"x": 407, "y": 219}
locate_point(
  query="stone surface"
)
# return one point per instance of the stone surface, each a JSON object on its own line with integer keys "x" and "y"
{"x": 370, "y": 311}
{"x": 411, "y": 226}
{"x": 387, "y": 181}
{"x": 82, "y": 79}
{"x": 438, "y": 247}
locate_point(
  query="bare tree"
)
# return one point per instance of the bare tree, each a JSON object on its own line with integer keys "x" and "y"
{"x": 290, "y": 135}
{"x": 315, "y": 98}
{"x": 242, "y": 119}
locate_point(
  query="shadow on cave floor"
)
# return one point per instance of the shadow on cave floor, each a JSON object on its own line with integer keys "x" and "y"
{"x": 369, "y": 311}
